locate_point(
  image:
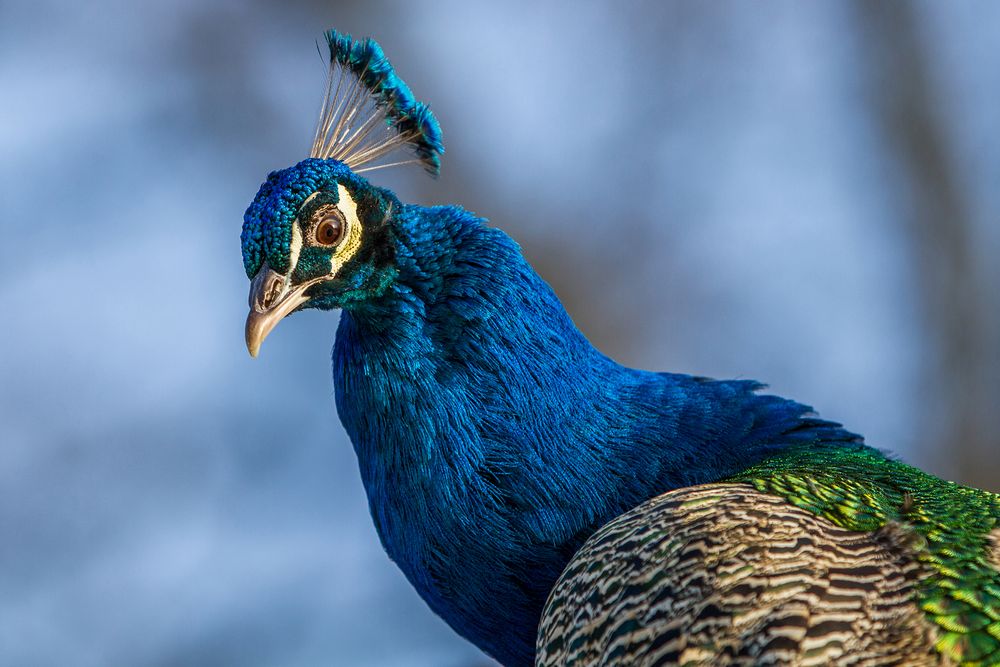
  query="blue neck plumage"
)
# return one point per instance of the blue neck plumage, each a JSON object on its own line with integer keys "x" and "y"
{"x": 493, "y": 438}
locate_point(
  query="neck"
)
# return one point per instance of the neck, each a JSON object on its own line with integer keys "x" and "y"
{"x": 492, "y": 437}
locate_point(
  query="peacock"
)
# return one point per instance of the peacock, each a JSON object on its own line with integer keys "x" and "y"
{"x": 557, "y": 508}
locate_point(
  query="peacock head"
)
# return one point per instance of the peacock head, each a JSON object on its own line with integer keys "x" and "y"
{"x": 318, "y": 235}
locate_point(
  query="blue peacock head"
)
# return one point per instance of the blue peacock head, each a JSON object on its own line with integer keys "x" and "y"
{"x": 319, "y": 235}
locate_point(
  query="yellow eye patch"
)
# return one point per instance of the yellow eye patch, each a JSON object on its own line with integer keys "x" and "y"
{"x": 352, "y": 241}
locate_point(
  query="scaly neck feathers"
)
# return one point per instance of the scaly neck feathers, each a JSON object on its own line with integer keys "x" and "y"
{"x": 493, "y": 439}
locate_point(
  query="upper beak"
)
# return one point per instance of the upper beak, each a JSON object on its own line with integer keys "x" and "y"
{"x": 271, "y": 298}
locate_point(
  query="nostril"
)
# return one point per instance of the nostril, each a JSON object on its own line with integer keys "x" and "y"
{"x": 266, "y": 290}
{"x": 271, "y": 290}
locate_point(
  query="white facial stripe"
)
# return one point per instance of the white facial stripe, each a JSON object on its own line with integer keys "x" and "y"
{"x": 352, "y": 242}
{"x": 309, "y": 199}
{"x": 294, "y": 249}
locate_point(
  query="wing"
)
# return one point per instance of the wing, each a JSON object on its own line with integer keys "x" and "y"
{"x": 724, "y": 574}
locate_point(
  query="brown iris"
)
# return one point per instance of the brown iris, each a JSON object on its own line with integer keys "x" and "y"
{"x": 330, "y": 229}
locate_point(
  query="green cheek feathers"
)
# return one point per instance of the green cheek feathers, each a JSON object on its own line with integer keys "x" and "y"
{"x": 313, "y": 263}
{"x": 368, "y": 282}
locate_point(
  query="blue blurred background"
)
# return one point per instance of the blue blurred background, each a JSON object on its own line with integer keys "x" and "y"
{"x": 802, "y": 193}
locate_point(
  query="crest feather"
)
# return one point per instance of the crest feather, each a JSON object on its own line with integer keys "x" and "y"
{"x": 368, "y": 111}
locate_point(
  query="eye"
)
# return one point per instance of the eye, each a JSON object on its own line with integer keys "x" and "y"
{"x": 330, "y": 229}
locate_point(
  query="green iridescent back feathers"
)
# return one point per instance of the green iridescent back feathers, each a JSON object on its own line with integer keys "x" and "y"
{"x": 957, "y": 531}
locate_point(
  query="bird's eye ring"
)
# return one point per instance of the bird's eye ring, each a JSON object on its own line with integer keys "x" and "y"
{"x": 330, "y": 229}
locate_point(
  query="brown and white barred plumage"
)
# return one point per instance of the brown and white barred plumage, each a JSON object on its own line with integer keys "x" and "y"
{"x": 722, "y": 574}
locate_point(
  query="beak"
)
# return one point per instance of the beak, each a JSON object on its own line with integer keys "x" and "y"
{"x": 271, "y": 299}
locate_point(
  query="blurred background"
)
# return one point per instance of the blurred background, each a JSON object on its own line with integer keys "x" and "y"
{"x": 801, "y": 193}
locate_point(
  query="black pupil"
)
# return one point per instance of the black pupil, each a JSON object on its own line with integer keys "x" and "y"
{"x": 329, "y": 230}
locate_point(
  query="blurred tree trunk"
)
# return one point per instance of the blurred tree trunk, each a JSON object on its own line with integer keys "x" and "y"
{"x": 960, "y": 422}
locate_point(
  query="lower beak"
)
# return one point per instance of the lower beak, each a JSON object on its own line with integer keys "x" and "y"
{"x": 271, "y": 299}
